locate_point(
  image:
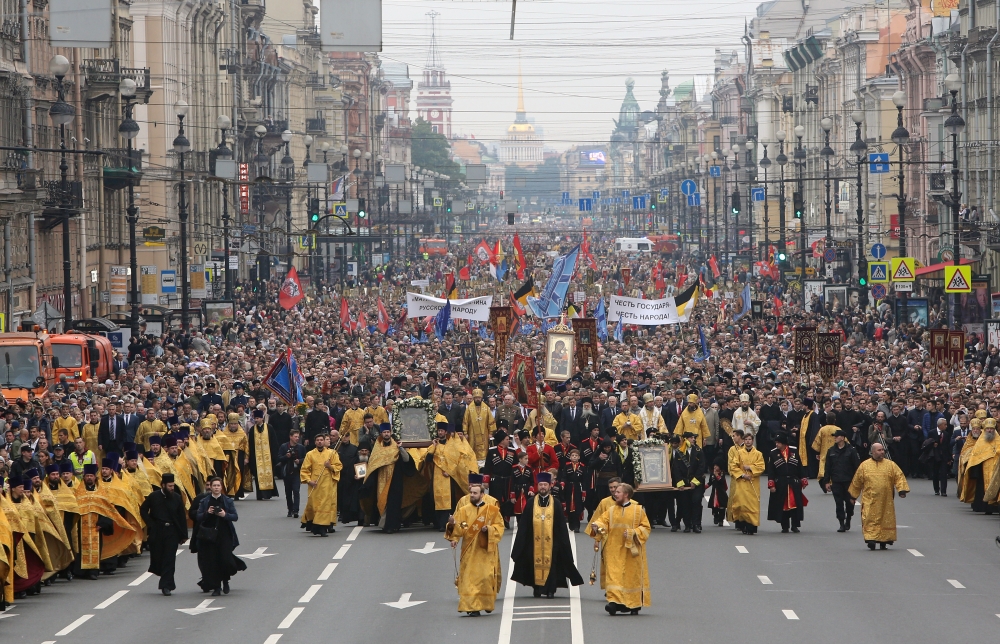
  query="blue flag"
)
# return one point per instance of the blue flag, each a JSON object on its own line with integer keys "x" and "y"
{"x": 745, "y": 296}
{"x": 285, "y": 379}
{"x": 705, "y": 352}
{"x": 618, "y": 329}
{"x": 553, "y": 297}
{"x": 441, "y": 320}
{"x": 601, "y": 315}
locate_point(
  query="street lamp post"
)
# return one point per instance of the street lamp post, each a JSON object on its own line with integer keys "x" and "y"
{"x": 224, "y": 123}
{"x": 262, "y": 163}
{"x": 781, "y": 160}
{"x": 181, "y": 147}
{"x": 62, "y": 114}
{"x": 954, "y": 125}
{"x": 751, "y": 179}
{"x": 900, "y": 136}
{"x": 860, "y": 149}
{"x": 129, "y": 129}
{"x": 827, "y": 154}
{"x": 800, "y": 163}
{"x": 734, "y": 154}
{"x": 288, "y": 165}
{"x": 765, "y": 163}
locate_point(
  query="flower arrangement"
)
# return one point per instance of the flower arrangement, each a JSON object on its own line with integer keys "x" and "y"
{"x": 636, "y": 462}
{"x": 415, "y": 402}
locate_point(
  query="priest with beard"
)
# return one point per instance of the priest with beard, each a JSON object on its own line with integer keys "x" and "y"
{"x": 392, "y": 476}
{"x": 542, "y": 554}
{"x": 347, "y": 490}
{"x": 262, "y": 450}
{"x": 320, "y": 471}
{"x": 166, "y": 524}
{"x": 983, "y": 464}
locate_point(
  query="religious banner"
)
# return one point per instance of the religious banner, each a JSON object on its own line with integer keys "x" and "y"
{"x": 626, "y": 276}
{"x": 939, "y": 346}
{"x": 956, "y": 347}
{"x": 829, "y": 354}
{"x": 560, "y": 346}
{"x": 521, "y": 381}
{"x": 585, "y": 330}
{"x": 470, "y": 357}
{"x": 501, "y": 324}
{"x": 476, "y": 308}
{"x": 805, "y": 349}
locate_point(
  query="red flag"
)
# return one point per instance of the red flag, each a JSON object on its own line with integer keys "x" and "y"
{"x": 660, "y": 284}
{"x": 450, "y": 290}
{"x": 519, "y": 257}
{"x": 714, "y": 265}
{"x": 383, "y": 318}
{"x": 345, "y": 315}
{"x": 362, "y": 321}
{"x": 777, "y": 305}
{"x": 468, "y": 260}
{"x": 626, "y": 276}
{"x": 291, "y": 290}
{"x": 463, "y": 274}
{"x": 429, "y": 324}
{"x": 485, "y": 254}
{"x": 681, "y": 280}
{"x": 585, "y": 251}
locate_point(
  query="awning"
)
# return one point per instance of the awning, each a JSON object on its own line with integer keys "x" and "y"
{"x": 937, "y": 270}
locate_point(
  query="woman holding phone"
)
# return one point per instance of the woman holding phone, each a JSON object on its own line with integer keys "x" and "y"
{"x": 217, "y": 539}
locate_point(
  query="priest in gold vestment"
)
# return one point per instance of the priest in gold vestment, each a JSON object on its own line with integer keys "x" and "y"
{"x": 479, "y": 526}
{"x": 233, "y": 441}
{"x": 966, "y": 484}
{"x": 479, "y": 424}
{"x": 984, "y": 463}
{"x": 605, "y": 503}
{"x": 104, "y": 533}
{"x": 542, "y": 554}
{"x": 876, "y": 483}
{"x": 746, "y": 464}
{"x": 320, "y": 471}
{"x": 447, "y": 465}
{"x": 262, "y": 450}
{"x": 625, "y": 528}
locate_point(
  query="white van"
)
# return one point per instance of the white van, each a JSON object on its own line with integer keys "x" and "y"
{"x": 633, "y": 245}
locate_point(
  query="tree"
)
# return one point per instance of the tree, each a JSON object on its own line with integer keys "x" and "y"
{"x": 432, "y": 151}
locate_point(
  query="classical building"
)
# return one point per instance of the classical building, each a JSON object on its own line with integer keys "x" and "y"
{"x": 522, "y": 146}
{"x": 434, "y": 90}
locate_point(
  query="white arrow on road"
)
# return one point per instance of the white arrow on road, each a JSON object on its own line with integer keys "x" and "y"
{"x": 427, "y": 549}
{"x": 6, "y": 615}
{"x": 404, "y": 602}
{"x": 201, "y": 608}
{"x": 258, "y": 554}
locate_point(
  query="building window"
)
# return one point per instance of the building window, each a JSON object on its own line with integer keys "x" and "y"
{"x": 434, "y": 129}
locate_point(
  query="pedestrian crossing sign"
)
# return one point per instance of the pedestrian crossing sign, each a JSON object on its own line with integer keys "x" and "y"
{"x": 340, "y": 209}
{"x": 878, "y": 272}
{"x": 957, "y": 279}
{"x": 903, "y": 269}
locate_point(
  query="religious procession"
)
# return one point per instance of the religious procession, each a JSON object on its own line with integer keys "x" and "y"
{"x": 497, "y": 411}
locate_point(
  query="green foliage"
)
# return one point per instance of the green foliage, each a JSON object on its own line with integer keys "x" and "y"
{"x": 432, "y": 150}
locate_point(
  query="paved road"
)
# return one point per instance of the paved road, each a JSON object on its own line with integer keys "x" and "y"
{"x": 938, "y": 581}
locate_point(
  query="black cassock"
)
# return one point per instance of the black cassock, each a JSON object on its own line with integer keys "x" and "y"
{"x": 167, "y": 527}
{"x": 348, "y": 488}
{"x": 499, "y": 467}
{"x": 404, "y": 468}
{"x": 523, "y": 554}
{"x": 786, "y": 477}
{"x": 273, "y": 449}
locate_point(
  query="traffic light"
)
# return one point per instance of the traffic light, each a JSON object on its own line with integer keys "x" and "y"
{"x": 449, "y": 206}
{"x": 510, "y": 219}
{"x": 797, "y": 204}
{"x": 782, "y": 257}
{"x": 863, "y": 273}
{"x": 736, "y": 202}
{"x": 652, "y": 204}
{"x": 361, "y": 209}
{"x": 313, "y": 211}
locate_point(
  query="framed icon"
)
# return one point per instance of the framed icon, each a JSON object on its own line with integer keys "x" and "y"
{"x": 653, "y": 468}
{"x": 559, "y": 351}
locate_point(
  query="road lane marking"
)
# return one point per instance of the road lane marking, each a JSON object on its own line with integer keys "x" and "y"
{"x": 544, "y": 612}
{"x": 49, "y": 642}
{"x": 764, "y": 579}
{"x": 141, "y": 578}
{"x": 273, "y": 639}
{"x": 955, "y": 583}
{"x": 354, "y": 533}
{"x": 742, "y": 549}
{"x": 323, "y": 576}
{"x": 179, "y": 551}
{"x": 533, "y": 619}
{"x": 304, "y": 599}
{"x": 110, "y": 600}
{"x": 507, "y": 614}
{"x": 72, "y": 627}
{"x": 725, "y": 523}
{"x": 575, "y": 616}
{"x": 533, "y": 607}
{"x": 790, "y": 614}
{"x": 915, "y": 553}
{"x": 290, "y": 617}
{"x": 343, "y": 551}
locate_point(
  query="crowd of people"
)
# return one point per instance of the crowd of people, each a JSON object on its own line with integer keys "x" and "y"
{"x": 99, "y": 472}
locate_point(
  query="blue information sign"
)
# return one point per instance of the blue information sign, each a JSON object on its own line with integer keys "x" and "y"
{"x": 689, "y": 187}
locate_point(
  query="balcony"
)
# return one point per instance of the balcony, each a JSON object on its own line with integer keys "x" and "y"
{"x": 316, "y": 126}
{"x": 309, "y": 36}
{"x": 315, "y": 80}
{"x": 121, "y": 166}
{"x": 252, "y": 11}
{"x": 102, "y": 76}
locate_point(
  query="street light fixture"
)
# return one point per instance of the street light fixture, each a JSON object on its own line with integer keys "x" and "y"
{"x": 62, "y": 115}
{"x": 129, "y": 129}
{"x": 223, "y": 153}
{"x": 288, "y": 166}
{"x": 182, "y": 146}
{"x": 954, "y": 124}
{"x": 860, "y": 150}
{"x": 827, "y": 154}
{"x": 782, "y": 161}
{"x": 765, "y": 163}
{"x": 800, "y": 164}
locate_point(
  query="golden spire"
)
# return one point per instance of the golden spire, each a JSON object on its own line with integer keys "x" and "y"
{"x": 520, "y": 85}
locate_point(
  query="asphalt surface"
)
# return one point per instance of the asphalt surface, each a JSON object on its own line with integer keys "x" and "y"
{"x": 939, "y": 580}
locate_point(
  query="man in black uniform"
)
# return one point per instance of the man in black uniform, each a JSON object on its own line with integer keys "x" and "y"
{"x": 499, "y": 466}
{"x": 163, "y": 512}
{"x": 696, "y": 467}
{"x": 842, "y": 462}
{"x": 290, "y": 454}
{"x": 785, "y": 482}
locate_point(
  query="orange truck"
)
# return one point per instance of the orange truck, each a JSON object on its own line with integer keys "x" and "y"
{"x": 433, "y": 247}
{"x": 82, "y": 356}
{"x": 27, "y": 365}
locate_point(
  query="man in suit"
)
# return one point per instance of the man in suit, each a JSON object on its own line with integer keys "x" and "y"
{"x": 608, "y": 414}
{"x": 119, "y": 363}
{"x": 111, "y": 434}
{"x": 567, "y": 420}
{"x": 453, "y": 410}
{"x": 131, "y": 420}
{"x": 672, "y": 410}
{"x": 290, "y": 455}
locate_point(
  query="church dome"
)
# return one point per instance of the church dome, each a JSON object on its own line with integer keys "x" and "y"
{"x": 521, "y": 128}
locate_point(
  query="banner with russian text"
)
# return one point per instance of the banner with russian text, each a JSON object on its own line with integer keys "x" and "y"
{"x": 476, "y": 308}
{"x": 632, "y": 310}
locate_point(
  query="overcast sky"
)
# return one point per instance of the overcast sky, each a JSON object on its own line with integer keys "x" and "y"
{"x": 575, "y": 57}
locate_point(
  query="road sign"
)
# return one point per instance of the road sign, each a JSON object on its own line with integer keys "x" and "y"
{"x": 878, "y": 291}
{"x": 586, "y": 205}
{"x": 639, "y": 202}
{"x": 664, "y": 192}
{"x": 689, "y": 187}
{"x": 565, "y": 198}
{"x": 903, "y": 269}
{"x": 757, "y": 194}
{"x": 661, "y": 199}
{"x": 438, "y": 202}
{"x": 695, "y": 199}
{"x": 957, "y": 279}
{"x": 878, "y": 251}
{"x": 878, "y": 272}
{"x": 903, "y": 287}
{"x": 878, "y": 162}
{"x": 200, "y": 248}
{"x": 470, "y": 205}
{"x": 830, "y": 254}
{"x": 626, "y": 194}
{"x": 340, "y": 209}
{"x": 597, "y": 195}
{"x": 715, "y": 170}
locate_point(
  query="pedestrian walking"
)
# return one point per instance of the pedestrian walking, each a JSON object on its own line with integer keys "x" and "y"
{"x": 166, "y": 525}
{"x": 217, "y": 539}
